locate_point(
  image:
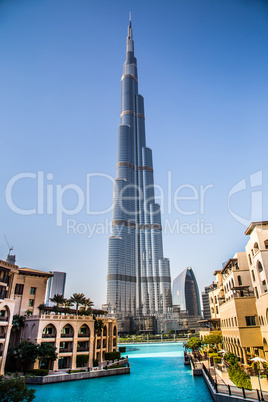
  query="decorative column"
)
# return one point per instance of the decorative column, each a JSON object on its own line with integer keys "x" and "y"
{"x": 91, "y": 351}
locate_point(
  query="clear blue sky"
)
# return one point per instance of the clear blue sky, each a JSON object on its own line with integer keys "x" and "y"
{"x": 203, "y": 73}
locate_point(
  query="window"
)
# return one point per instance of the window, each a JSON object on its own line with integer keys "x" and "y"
{"x": 253, "y": 276}
{"x": 32, "y": 291}
{"x": 256, "y": 247}
{"x": 250, "y": 260}
{"x": 232, "y": 320}
{"x": 217, "y": 310}
{"x": 260, "y": 267}
{"x": 239, "y": 280}
{"x": 256, "y": 292}
{"x": 235, "y": 321}
{"x": 266, "y": 244}
{"x": 19, "y": 289}
{"x": 31, "y": 302}
{"x": 250, "y": 320}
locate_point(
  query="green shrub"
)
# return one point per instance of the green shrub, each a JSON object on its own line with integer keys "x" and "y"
{"x": 81, "y": 360}
{"x": 217, "y": 360}
{"x": 231, "y": 358}
{"x": 213, "y": 355}
{"x": 39, "y": 372}
{"x": 115, "y": 366}
{"x": 239, "y": 377}
{"x": 95, "y": 362}
{"x": 112, "y": 355}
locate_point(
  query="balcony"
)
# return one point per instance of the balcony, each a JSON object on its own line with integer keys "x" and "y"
{"x": 65, "y": 350}
{"x": 83, "y": 335}
{"x": 48, "y": 335}
{"x": 83, "y": 349}
{"x": 66, "y": 335}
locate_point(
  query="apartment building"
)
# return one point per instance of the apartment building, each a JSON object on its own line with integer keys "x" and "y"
{"x": 21, "y": 291}
{"x": 72, "y": 336}
{"x": 257, "y": 254}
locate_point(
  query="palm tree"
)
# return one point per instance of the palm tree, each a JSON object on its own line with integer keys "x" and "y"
{"x": 88, "y": 304}
{"x": 58, "y": 300}
{"x": 17, "y": 324}
{"x": 67, "y": 304}
{"x": 77, "y": 298}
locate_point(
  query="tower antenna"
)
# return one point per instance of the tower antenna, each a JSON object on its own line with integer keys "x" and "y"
{"x": 130, "y": 17}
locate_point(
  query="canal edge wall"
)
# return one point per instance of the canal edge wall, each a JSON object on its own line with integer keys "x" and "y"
{"x": 51, "y": 379}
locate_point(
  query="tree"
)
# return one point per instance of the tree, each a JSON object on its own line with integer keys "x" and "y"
{"x": 17, "y": 324}
{"x": 14, "y": 389}
{"x": 46, "y": 352}
{"x": 194, "y": 343}
{"x": 25, "y": 354}
{"x": 213, "y": 339}
{"x": 42, "y": 308}
{"x": 86, "y": 307}
{"x": 58, "y": 300}
{"x": 171, "y": 332}
{"x": 77, "y": 299}
{"x": 98, "y": 326}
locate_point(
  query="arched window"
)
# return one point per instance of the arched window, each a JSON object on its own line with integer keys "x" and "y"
{"x": 212, "y": 310}
{"x": 115, "y": 332}
{"x": 67, "y": 331}
{"x": 84, "y": 331}
{"x": 256, "y": 247}
{"x": 49, "y": 331}
{"x": 239, "y": 280}
{"x": 250, "y": 260}
{"x": 253, "y": 275}
{"x": 259, "y": 266}
{"x": 232, "y": 283}
{"x": 266, "y": 244}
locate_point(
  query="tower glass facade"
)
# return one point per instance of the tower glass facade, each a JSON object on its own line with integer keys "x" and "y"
{"x": 185, "y": 292}
{"x": 138, "y": 281}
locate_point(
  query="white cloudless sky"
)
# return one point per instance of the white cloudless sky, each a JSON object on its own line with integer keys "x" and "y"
{"x": 202, "y": 69}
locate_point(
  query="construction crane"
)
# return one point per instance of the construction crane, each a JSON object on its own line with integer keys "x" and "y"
{"x": 10, "y": 248}
{"x": 10, "y": 258}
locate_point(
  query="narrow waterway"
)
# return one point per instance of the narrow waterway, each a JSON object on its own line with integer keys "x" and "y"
{"x": 157, "y": 374}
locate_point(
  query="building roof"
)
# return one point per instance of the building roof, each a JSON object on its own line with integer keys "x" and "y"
{"x": 252, "y": 226}
{"x": 35, "y": 272}
{"x": 228, "y": 263}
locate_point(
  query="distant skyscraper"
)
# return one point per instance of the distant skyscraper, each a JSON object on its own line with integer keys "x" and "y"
{"x": 138, "y": 281}
{"x": 205, "y": 302}
{"x": 185, "y": 292}
{"x": 55, "y": 286}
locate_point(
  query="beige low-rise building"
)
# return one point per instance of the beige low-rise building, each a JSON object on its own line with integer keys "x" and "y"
{"x": 257, "y": 254}
{"x": 72, "y": 336}
{"x": 21, "y": 292}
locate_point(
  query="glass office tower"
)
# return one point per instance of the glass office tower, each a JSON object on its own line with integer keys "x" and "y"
{"x": 138, "y": 281}
{"x": 185, "y": 292}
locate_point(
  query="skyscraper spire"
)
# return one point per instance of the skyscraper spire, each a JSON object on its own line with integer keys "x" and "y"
{"x": 138, "y": 281}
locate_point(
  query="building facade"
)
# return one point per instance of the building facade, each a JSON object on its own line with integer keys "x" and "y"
{"x": 185, "y": 292}
{"x": 73, "y": 336}
{"x": 55, "y": 286}
{"x": 138, "y": 281}
{"x": 22, "y": 290}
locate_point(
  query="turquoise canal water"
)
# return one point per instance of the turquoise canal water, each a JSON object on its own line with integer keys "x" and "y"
{"x": 157, "y": 374}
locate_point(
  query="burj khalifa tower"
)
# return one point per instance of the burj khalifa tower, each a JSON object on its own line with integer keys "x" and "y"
{"x": 138, "y": 280}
